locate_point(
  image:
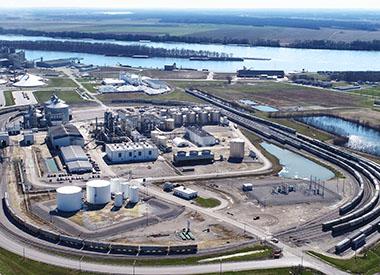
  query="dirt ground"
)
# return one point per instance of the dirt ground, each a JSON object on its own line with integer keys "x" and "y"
{"x": 208, "y": 232}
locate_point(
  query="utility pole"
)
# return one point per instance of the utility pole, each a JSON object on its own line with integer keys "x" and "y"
{"x": 220, "y": 267}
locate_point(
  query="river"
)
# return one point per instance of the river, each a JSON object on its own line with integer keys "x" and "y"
{"x": 360, "y": 138}
{"x": 296, "y": 166}
{"x": 286, "y": 59}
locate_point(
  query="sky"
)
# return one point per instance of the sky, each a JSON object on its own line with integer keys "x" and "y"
{"x": 198, "y": 4}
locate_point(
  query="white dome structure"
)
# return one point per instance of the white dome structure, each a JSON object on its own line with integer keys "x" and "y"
{"x": 29, "y": 81}
{"x": 98, "y": 192}
{"x": 69, "y": 198}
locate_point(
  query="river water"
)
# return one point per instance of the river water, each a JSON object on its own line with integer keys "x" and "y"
{"x": 281, "y": 58}
{"x": 360, "y": 138}
{"x": 296, "y": 166}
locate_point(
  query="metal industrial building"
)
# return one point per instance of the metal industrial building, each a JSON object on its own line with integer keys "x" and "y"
{"x": 4, "y": 139}
{"x": 199, "y": 136}
{"x": 75, "y": 159}
{"x": 28, "y": 138}
{"x": 258, "y": 73}
{"x": 65, "y": 135}
{"x": 131, "y": 152}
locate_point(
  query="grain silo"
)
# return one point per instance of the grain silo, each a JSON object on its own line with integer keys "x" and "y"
{"x": 134, "y": 194}
{"x": 191, "y": 118}
{"x": 237, "y": 148}
{"x": 178, "y": 119}
{"x": 203, "y": 118}
{"x": 69, "y": 198}
{"x": 98, "y": 191}
{"x": 215, "y": 117}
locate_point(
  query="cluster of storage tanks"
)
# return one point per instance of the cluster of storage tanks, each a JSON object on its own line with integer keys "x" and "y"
{"x": 98, "y": 192}
{"x": 177, "y": 117}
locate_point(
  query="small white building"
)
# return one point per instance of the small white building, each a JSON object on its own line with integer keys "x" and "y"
{"x": 200, "y": 137}
{"x": 131, "y": 152}
{"x": 185, "y": 193}
{"x": 113, "y": 81}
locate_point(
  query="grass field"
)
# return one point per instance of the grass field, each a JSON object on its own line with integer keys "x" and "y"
{"x": 69, "y": 96}
{"x": 369, "y": 263}
{"x": 91, "y": 87}
{"x": 375, "y": 92}
{"x": 9, "y": 100}
{"x": 59, "y": 82}
{"x": 11, "y": 264}
{"x": 279, "y": 94}
{"x": 207, "y": 202}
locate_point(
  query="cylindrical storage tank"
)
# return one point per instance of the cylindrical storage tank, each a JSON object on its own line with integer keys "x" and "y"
{"x": 134, "y": 194}
{"x": 178, "y": 119}
{"x": 169, "y": 124}
{"x": 225, "y": 120}
{"x": 184, "y": 110}
{"x": 153, "y": 136}
{"x": 203, "y": 118}
{"x": 118, "y": 201}
{"x": 98, "y": 191}
{"x": 208, "y": 109}
{"x": 215, "y": 117}
{"x": 197, "y": 109}
{"x": 162, "y": 140}
{"x": 173, "y": 111}
{"x": 190, "y": 118}
{"x": 163, "y": 112}
{"x": 124, "y": 188}
{"x": 237, "y": 148}
{"x": 69, "y": 198}
{"x": 115, "y": 185}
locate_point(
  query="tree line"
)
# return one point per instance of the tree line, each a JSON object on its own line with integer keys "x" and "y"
{"x": 108, "y": 49}
{"x": 357, "y": 45}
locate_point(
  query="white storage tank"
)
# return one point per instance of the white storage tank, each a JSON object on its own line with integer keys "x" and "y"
{"x": 169, "y": 124}
{"x": 237, "y": 148}
{"x": 162, "y": 141}
{"x": 98, "y": 191}
{"x": 115, "y": 185}
{"x": 124, "y": 188}
{"x": 134, "y": 194}
{"x": 118, "y": 201}
{"x": 69, "y": 198}
{"x": 153, "y": 135}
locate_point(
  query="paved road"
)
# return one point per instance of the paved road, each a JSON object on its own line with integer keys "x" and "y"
{"x": 2, "y": 98}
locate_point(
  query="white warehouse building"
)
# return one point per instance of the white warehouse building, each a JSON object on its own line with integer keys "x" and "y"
{"x": 200, "y": 137}
{"x": 131, "y": 152}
